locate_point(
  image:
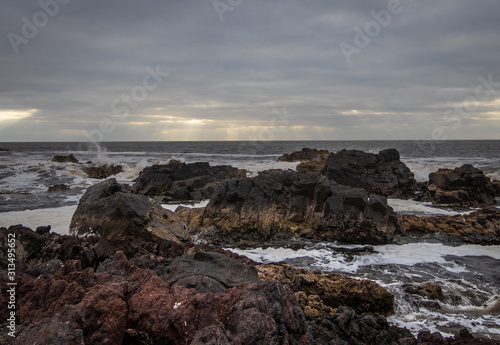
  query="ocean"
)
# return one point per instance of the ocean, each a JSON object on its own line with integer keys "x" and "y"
{"x": 468, "y": 274}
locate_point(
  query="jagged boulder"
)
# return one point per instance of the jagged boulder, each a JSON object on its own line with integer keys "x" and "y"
{"x": 463, "y": 186}
{"x": 285, "y": 204}
{"x": 381, "y": 173}
{"x": 304, "y": 155}
{"x": 107, "y": 210}
{"x": 182, "y": 181}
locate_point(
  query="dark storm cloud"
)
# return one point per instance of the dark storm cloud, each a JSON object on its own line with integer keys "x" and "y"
{"x": 226, "y": 77}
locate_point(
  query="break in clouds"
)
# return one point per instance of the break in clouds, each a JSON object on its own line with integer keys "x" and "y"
{"x": 223, "y": 69}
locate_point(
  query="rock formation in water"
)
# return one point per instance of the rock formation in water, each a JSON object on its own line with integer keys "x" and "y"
{"x": 182, "y": 181}
{"x": 464, "y": 186}
{"x": 304, "y": 155}
{"x": 65, "y": 159}
{"x": 102, "y": 171}
{"x": 381, "y": 173}
{"x": 284, "y": 204}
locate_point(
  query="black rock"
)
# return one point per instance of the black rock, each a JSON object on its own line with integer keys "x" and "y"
{"x": 65, "y": 159}
{"x": 382, "y": 173}
{"x": 181, "y": 181}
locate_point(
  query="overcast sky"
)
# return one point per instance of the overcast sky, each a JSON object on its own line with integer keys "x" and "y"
{"x": 249, "y": 69}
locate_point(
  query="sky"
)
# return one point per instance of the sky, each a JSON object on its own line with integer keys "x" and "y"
{"x": 105, "y": 70}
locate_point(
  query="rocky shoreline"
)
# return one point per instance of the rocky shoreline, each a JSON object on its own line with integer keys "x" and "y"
{"x": 133, "y": 272}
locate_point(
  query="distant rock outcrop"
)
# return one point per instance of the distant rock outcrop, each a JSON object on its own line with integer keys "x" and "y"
{"x": 304, "y": 155}
{"x": 381, "y": 173}
{"x": 463, "y": 186}
{"x": 65, "y": 159}
{"x": 286, "y": 204}
{"x": 182, "y": 181}
{"x": 102, "y": 171}
{"x": 58, "y": 188}
{"x": 107, "y": 210}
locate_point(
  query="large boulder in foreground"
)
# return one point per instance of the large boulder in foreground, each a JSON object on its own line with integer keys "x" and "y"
{"x": 284, "y": 204}
{"x": 381, "y": 173}
{"x": 463, "y": 186}
{"x": 107, "y": 210}
{"x": 119, "y": 303}
{"x": 182, "y": 181}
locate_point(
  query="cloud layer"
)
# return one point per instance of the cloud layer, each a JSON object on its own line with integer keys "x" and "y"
{"x": 270, "y": 69}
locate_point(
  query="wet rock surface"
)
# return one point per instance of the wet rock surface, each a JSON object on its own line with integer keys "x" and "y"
{"x": 284, "y": 204}
{"x": 381, "y": 173}
{"x": 182, "y": 181}
{"x": 480, "y": 227}
{"x": 102, "y": 171}
{"x": 321, "y": 294}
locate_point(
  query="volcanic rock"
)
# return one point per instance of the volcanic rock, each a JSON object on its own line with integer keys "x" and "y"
{"x": 284, "y": 204}
{"x": 381, "y": 173}
{"x": 181, "y": 181}
{"x": 65, "y": 159}
{"x": 102, "y": 171}
{"x": 321, "y": 294}
{"x": 345, "y": 327}
{"x": 480, "y": 227}
{"x": 304, "y": 155}
{"x": 463, "y": 186}
{"x": 107, "y": 210}
{"x": 209, "y": 272}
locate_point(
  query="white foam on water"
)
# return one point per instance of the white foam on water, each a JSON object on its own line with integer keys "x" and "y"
{"x": 423, "y": 208}
{"x": 391, "y": 254}
{"x": 173, "y": 207}
{"x": 58, "y": 218}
